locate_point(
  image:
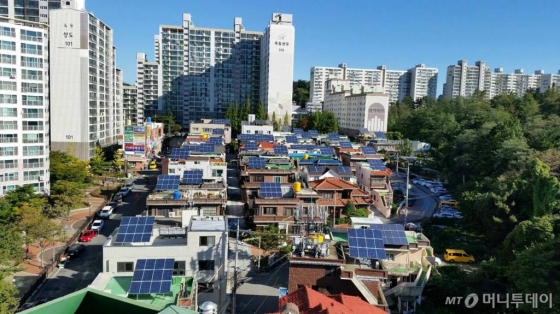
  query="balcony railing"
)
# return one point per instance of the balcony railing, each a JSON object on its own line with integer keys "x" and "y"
{"x": 32, "y": 38}
{"x": 33, "y": 127}
{"x": 33, "y": 153}
{"x": 33, "y": 115}
{"x": 32, "y": 90}
{"x": 32, "y": 141}
{"x": 33, "y": 165}
{"x": 32, "y": 77}
{"x": 9, "y": 166}
{"x": 32, "y": 102}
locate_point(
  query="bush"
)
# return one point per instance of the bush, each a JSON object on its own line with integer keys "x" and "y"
{"x": 96, "y": 192}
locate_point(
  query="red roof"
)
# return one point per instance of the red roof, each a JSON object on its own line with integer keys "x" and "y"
{"x": 332, "y": 184}
{"x": 310, "y": 301}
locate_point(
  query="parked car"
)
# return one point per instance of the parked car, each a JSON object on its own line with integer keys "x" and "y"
{"x": 106, "y": 212}
{"x": 153, "y": 165}
{"x": 97, "y": 225}
{"x": 87, "y": 236}
{"x": 460, "y": 256}
{"x": 75, "y": 250}
{"x": 124, "y": 191}
{"x": 118, "y": 197}
{"x": 63, "y": 262}
{"x": 129, "y": 185}
{"x": 31, "y": 304}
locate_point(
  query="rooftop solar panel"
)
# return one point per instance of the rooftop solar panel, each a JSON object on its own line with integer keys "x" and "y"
{"x": 167, "y": 182}
{"x": 180, "y": 153}
{"x": 192, "y": 176}
{"x": 256, "y": 163}
{"x": 366, "y": 243}
{"x": 215, "y": 140}
{"x": 298, "y": 131}
{"x": 343, "y": 170}
{"x": 316, "y": 168}
{"x": 152, "y": 276}
{"x": 305, "y": 135}
{"x": 251, "y": 146}
{"x": 380, "y": 135}
{"x": 314, "y": 133}
{"x": 291, "y": 139}
{"x": 207, "y": 147}
{"x": 307, "y": 161}
{"x": 286, "y": 128}
{"x": 135, "y": 230}
{"x": 368, "y": 150}
{"x": 329, "y": 162}
{"x": 334, "y": 137}
{"x": 326, "y": 150}
{"x": 393, "y": 234}
{"x": 345, "y": 145}
{"x": 364, "y": 131}
{"x": 218, "y": 131}
{"x": 221, "y": 121}
{"x": 280, "y": 150}
{"x": 270, "y": 190}
{"x": 247, "y": 137}
{"x": 376, "y": 164}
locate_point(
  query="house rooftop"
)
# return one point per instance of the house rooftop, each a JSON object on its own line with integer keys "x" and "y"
{"x": 208, "y": 223}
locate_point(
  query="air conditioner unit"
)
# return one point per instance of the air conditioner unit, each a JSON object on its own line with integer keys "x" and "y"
{"x": 171, "y": 215}
{"x": 41, "y": 178}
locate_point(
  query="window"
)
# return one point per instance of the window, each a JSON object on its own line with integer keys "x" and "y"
{"x": 330, "y": 272}
{"x": 8, "y": 151}
{"x": 8, "y": 125}
{"x": 258, "y": 178}
{"x": 12, "y": 176}
{"x": 8, "y": 164}
{"x": 277, "y": 179}
{"x": 179, "y": 268}
{"x": 205, "y": 265}
{"x": 8, "y": 99}
{"x": 207, "y": 241}
{"x": 8, "y": 138}
{"x": 269, "y": 211}
{"x": 8, "y": 112}
{"x": 7, "y": 45}
{"x": 289, "y": 212}
{"x": 7, "y": 59}
{"x": 123, "y": 267}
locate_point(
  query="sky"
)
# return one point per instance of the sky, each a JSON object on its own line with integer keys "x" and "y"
{"x": 508, "y": 34}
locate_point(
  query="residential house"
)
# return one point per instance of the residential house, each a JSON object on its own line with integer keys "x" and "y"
{"x": 375, "y": 179}
{"x": 213, "y": 165}
{"x": 212, "y": 127}
{"x": 253, "y": 126}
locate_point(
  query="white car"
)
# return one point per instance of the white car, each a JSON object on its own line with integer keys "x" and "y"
{"x": 106, "y": 212}
{"x": 417, "y": 181}
{"x": 97, "y": 225}
{"x": 129, "y": 185}
{"x": 124, "y": 191}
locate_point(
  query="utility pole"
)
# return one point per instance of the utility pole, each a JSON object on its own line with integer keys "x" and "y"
{"x": 397, "y": 163}
{"x": 234, "y": 292}
{"x": 406, "y": 204}
{"x": 259, "y": 256}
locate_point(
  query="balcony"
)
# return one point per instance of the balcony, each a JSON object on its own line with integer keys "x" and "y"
{"x": 32, "y": 165}
{"x": 167, "y": 199}
{"x": 33, "y": 127}
{"x": 401, "y": 269}
{"x": 32, "y": 38}
{"x": 32, "y": 115}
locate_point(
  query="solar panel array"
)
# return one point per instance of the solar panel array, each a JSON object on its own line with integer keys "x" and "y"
{"x": 270, "y": 190}
{"x": 380, "y": 135}
{"x": 264, "y": 137}
{"x": 291, "y": 139}
{"x": 313, "y": 133}
{"x": 368, "y": 150}
{"x": 207, "y": 147}
{"x": 329, "y": 162}
{"x": 256, "y": 163}
{"x": 334, "y": 137}
{"x": 152, "y": 276}
{"x": 286, "y": 128}
{"x": 364, "y": 131}
{"x": 393, "y": 234}
{"x": 192, "y": 176}
{"x": 135, "y": 229}
{"x": 215, "y": 140}
{"x": 280, "y": 150}
{"x": 180, "y": 153}
{"x": 305, "y": 135}
{"x": 326, "y": 150}
{"x": 303, "y": 147}
{"x": 376, "y": 164}
{"x": 167, "y": 182}
{"x": 345, "y": 145}
{"x": 307, "y": 161}
{"x": 221, "y": 121}
{"x": 366, "y": 243}
{"x": 251, "y": 146}
{"x": 298, "y": 131}
{"x": 218, "y": 131}
{"x": 316, "y": 168}
{"x": 247, "y": 137}
{"x": 343, "y": 170}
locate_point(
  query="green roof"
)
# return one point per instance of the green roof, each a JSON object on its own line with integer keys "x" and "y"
{"x": 93, "y": 301}
{"x": 340, "y": 236}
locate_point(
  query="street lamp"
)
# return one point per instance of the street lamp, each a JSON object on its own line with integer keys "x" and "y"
{"x": 54, "y": 232}
{"x": 408, "y": 160}
{"x": 89, "y": 206}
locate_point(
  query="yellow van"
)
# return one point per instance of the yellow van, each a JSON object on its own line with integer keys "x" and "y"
{"x": 153, "y": 165}
{"x": 453, "y": 204}
{"x": 459, "y": 256}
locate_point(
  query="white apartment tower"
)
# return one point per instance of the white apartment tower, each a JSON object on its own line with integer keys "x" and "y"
{"x": 130, "y": 107}
{"x": 202, "y": 70}
{"x": 86, "y": 110}
{"x": 416, "y": 82}
{"x": 24, "y": 105}
{"x": 147, "y": 84}
{"x": 35, "y": 11}
{"x": 277, "y": 65}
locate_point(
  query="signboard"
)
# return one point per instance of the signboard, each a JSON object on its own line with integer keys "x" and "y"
{"x": 282, "y": 291}
{"x": 139, "y": 129}
{"x": 139, "y": 140}
{"x": 133, "y": 148}
{"x": 128, "y": 134}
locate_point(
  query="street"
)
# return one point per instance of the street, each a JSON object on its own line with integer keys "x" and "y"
{"x": 260, "y": 294}
{"x": 81, "y": 271}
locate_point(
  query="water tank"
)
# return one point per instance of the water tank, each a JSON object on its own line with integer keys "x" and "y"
{"x": 297, "y": 187}
{"x": 149, "y": 119}
{"x": 305, "y": 156}
{"x": 204, "y": 136}
{"x": 208, "y": 308}
{"x": 289, "y": 308}
{"x": 177, "y": 195}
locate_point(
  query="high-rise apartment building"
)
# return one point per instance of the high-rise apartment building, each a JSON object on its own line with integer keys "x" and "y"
{"x": 130, "y": 105}
{"x": 277, "y": 65}
{"x": 147, "y": 84}
{"x": 202, "y": 70}
{"x": 416, "y": 82}
{"x": 86, "y": 109}
{"x": 463, "y": 80}
{"x": 548, "y": 81}
{"x": 24, "y": 105}
{"x": 35, "y": 10}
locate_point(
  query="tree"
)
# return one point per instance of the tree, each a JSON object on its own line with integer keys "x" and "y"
{"x": 9, "y": 301}
{"x": 405, "y": 148}
{"x": 275, "y": 124}
{"x": 67, "y": 167}
{"x": 528, "y": 233}
{"x": 286, "y": 119}
{"x": 229, "y": 112}
{"x": 43, "y": 232}
{"x": 169, "y": 123}
{"x": 10, "y": 246}
{"x": 118, "y": 161}
{"x": 236, "y": 118}
{"x": 24, "y": 195}
{"x": 8, "y": 215}
{"x": 248, "y": 108}
{"x": 66, "y": 194}
{"x": 98, "y": 163}
{"x": 270, "y": 238}
{"x": 301, "y": 92}
{"x": 544, "y": 188}
{"x": 261, "y": 113}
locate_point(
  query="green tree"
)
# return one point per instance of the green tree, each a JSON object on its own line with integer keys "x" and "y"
{"x": 66, "y": 194}
{"x": 98, "y": 162}
{"x": 248, "y": 108}
{"x": 229, "y": 112}
{"x": 169, "y": 123}
{"x": 24, "y": 195}
{"x": 237, "y": 117}
{"x": 118, "y": 161}
{"x": 243, "y": 113}
{"x": 301, "y": 92}
{"x": 275, "y": 124}
{"x": 10, "y": 246}
{"x": 286, "y": 119}
{"x": 270, "y": 238}
{"x": 8, "y": 215}
{"x": 261, "y": 113}
{"x": 405, "y": 148}
{"x": 545, "y": 189}
{"x": 528, "y": 233}
{"x": 43, "y": 232}
{"x": 64, "y": 166}
{"x": 9, "y": 301}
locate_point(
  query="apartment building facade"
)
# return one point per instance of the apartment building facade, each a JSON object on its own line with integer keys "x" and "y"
{"x": 130, "y": 104}
{"x": 35, "y": 11}
{"x": 24, "y": 105}
{"x": 86, "y": 109}
{"x": 416, "y": 82}
{"x": 147, "y": 86}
